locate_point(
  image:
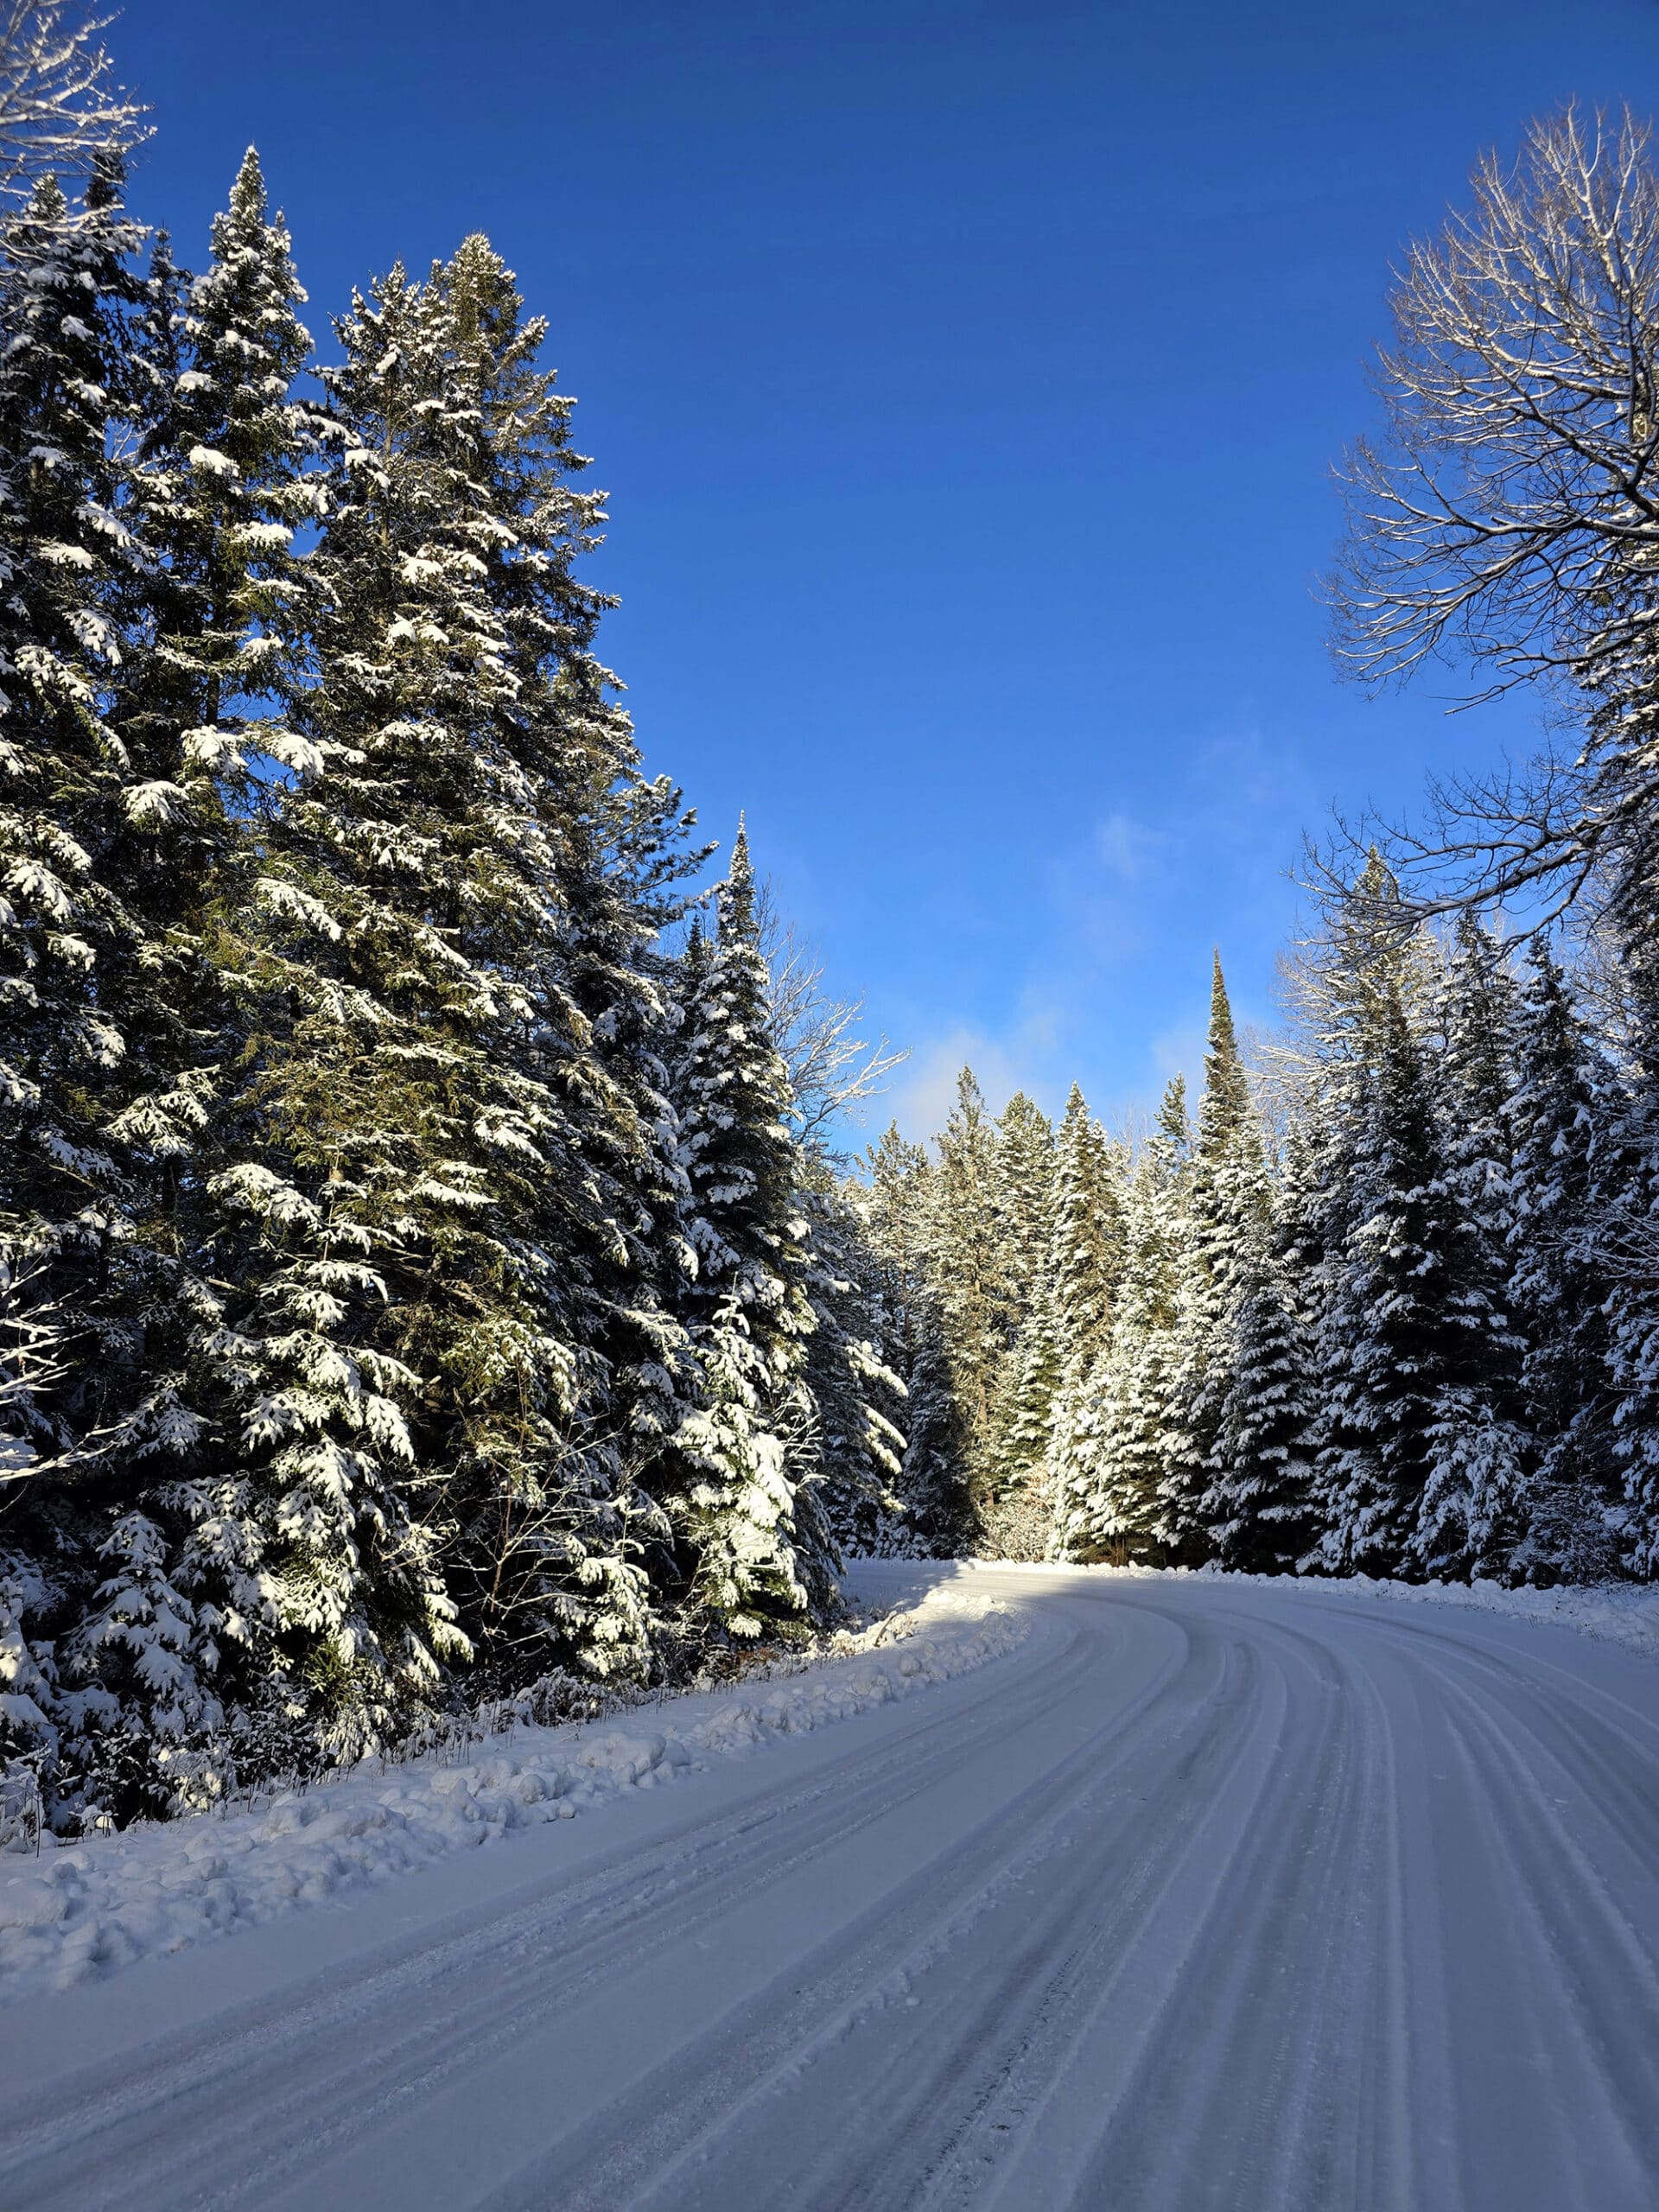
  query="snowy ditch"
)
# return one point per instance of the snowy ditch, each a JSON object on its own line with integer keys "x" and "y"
{"x": 87, "y": 1908}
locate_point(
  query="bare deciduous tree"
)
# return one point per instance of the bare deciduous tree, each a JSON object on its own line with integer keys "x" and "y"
{"x": 33, "y": 1333}
{"x": 832, "y": 1069}
{"x": 59, "y": 105}
{"x": 1510, "y": 508}
{"x": 1510, "y": 513}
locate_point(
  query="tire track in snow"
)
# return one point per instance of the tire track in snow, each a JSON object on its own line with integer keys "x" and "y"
{"x": 318, "y": 2075}
{"x": 1211, "y": 1897}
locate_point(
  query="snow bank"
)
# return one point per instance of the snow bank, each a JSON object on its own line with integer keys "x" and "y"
{"x": 1618, "y": 1612}
{"x": 88, "y": 1907}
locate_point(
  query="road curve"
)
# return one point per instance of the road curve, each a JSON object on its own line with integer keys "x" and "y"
{"x": 1213, "y": 1894}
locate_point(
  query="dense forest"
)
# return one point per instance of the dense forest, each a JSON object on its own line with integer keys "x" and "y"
{"x": 427, "y": 1263}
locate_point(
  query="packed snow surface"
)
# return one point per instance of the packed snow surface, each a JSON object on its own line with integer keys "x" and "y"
{"x": 1208, "y": 1893}
{"x": 92, "y": 1906}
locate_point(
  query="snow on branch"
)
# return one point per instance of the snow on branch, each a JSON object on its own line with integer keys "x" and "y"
{"x": 60, "y": 105}
{"x": 1510, "y": 508}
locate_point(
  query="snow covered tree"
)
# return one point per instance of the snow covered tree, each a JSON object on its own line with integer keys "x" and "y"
{"x": 1085, "y": 1271}
{"x": 1023, "y": 1209}
{"x": 1623, "y": 1240}
{"x": 1121, "y": 1456}
{"x": 1561, "y": 1112}
{"x": 60, "y": 108}
{"x": 1257, "y": 1509}
{"x": 858, "y": 1398}
{"x": 1384, "y": 1350}
{"x": 405, "y": 1199}
{"x": 88, "y": 1130}
{"x": 899, "y": 1210}
{"x": 1470, "y": 1516}
{"x": 748, "y": 1511}
{"x": 1226, "y": 1206}
{"x": 970, "y": 1271}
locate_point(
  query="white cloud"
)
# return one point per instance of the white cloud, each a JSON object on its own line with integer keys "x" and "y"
{"x": 922, "y": 1102}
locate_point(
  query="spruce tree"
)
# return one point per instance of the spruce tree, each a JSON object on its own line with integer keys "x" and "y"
{"x": 1085, "y": 1271}
{"x": 1226, "y": 1208}
{"x": 405, "y": 1192}
{"x": 1023, "y": 1209}
{"x": 1470, "y": 1518}
{"x": 91, "y": 1129}
{"x": 210, "y": 623}
{"x": 1112, "y": 1506}
{"x": 746, "y": 1511}
{"x": 1258, "y": 1509}
{"x": 899, "y": 1210}
{"x": 1560, "y": 1113}
{"x": 971, "y": 1273}
{"x": 1384, "y": 1350}
{"x": 1627, "y": 1235}
{"x": 857, "y": 1395}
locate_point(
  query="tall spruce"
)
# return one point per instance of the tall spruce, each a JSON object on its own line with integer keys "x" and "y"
{"x": 1471, "y": 1515}
{"x": 759, "y": 1548}
{"x": 1384, "y": 1349}
{"x": 1560, "y": 1112}
{"x": 1112, "y": 1509}
{"x": 1226, "y": 1208}
{"x": 899, "y": 1210}
{"x": 972, "y": 1272}
{"x": 1087, "y": 1260}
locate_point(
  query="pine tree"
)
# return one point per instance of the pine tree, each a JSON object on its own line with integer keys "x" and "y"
{"x": 1560, "y": 1113}
{"x": 858, "y": 1397}
{"x": 899, "y": 1210}
{"x": 206, "y": 619}
{"x": 1112, "y": 1509}
{"x": 1022, "y": 1204}
{"x": 1085, "y": 1271}
{"x": 748, "y": 1511}
{"x": 1470, "y": 1518}
{"x": 88, "y": 1136}
{"x": 1384, "y": 1350}
{"x": 970, "y": 1271}
{"x": 408, "y": 1194}
{"x": 1257, "y": 1509}
{"x": 1625, "y": 1236}
{"x": 1226, "y": 1206}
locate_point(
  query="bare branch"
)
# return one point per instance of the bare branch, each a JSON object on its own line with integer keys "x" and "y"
{"x": 832, "y": 1069}
{"x": 60, "y": 105}
{"x": 1511, "y": 509}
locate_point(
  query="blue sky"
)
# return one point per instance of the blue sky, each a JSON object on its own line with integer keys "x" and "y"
{"x": 966, "y": 376}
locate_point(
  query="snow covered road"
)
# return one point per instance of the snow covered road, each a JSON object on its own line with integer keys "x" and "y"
{"x": 1211, "y": 1894}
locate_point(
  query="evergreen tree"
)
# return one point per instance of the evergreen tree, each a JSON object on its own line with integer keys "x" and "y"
{"x": 1112, "y": 1506}
{"x": 899, "y": 1210}
{"x": 88, "y": 1135}
{"x": 1384, "y": 1350}
{"x": 1257, "y": 1509}
{"x": 1085, "y": 1272}
{"x": 404, "y": 1198}
{"x": 1023, "y": 1209}
{"x": 858, "y": 1397}
{"x": 1227, "y": 1204}
{"x": 1560, "y": 1114}
{"x": 1470, "y": 1517}
{"x": 971, "y": 1275}
{"x": 1627, "y": 1235}
{"x": 208, "y": 621}
{"x": 747, "y": 1510}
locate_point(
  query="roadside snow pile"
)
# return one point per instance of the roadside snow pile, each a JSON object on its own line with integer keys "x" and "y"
{"x": 1619, "y": 1612}
{"x": 89, "y": 1907}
